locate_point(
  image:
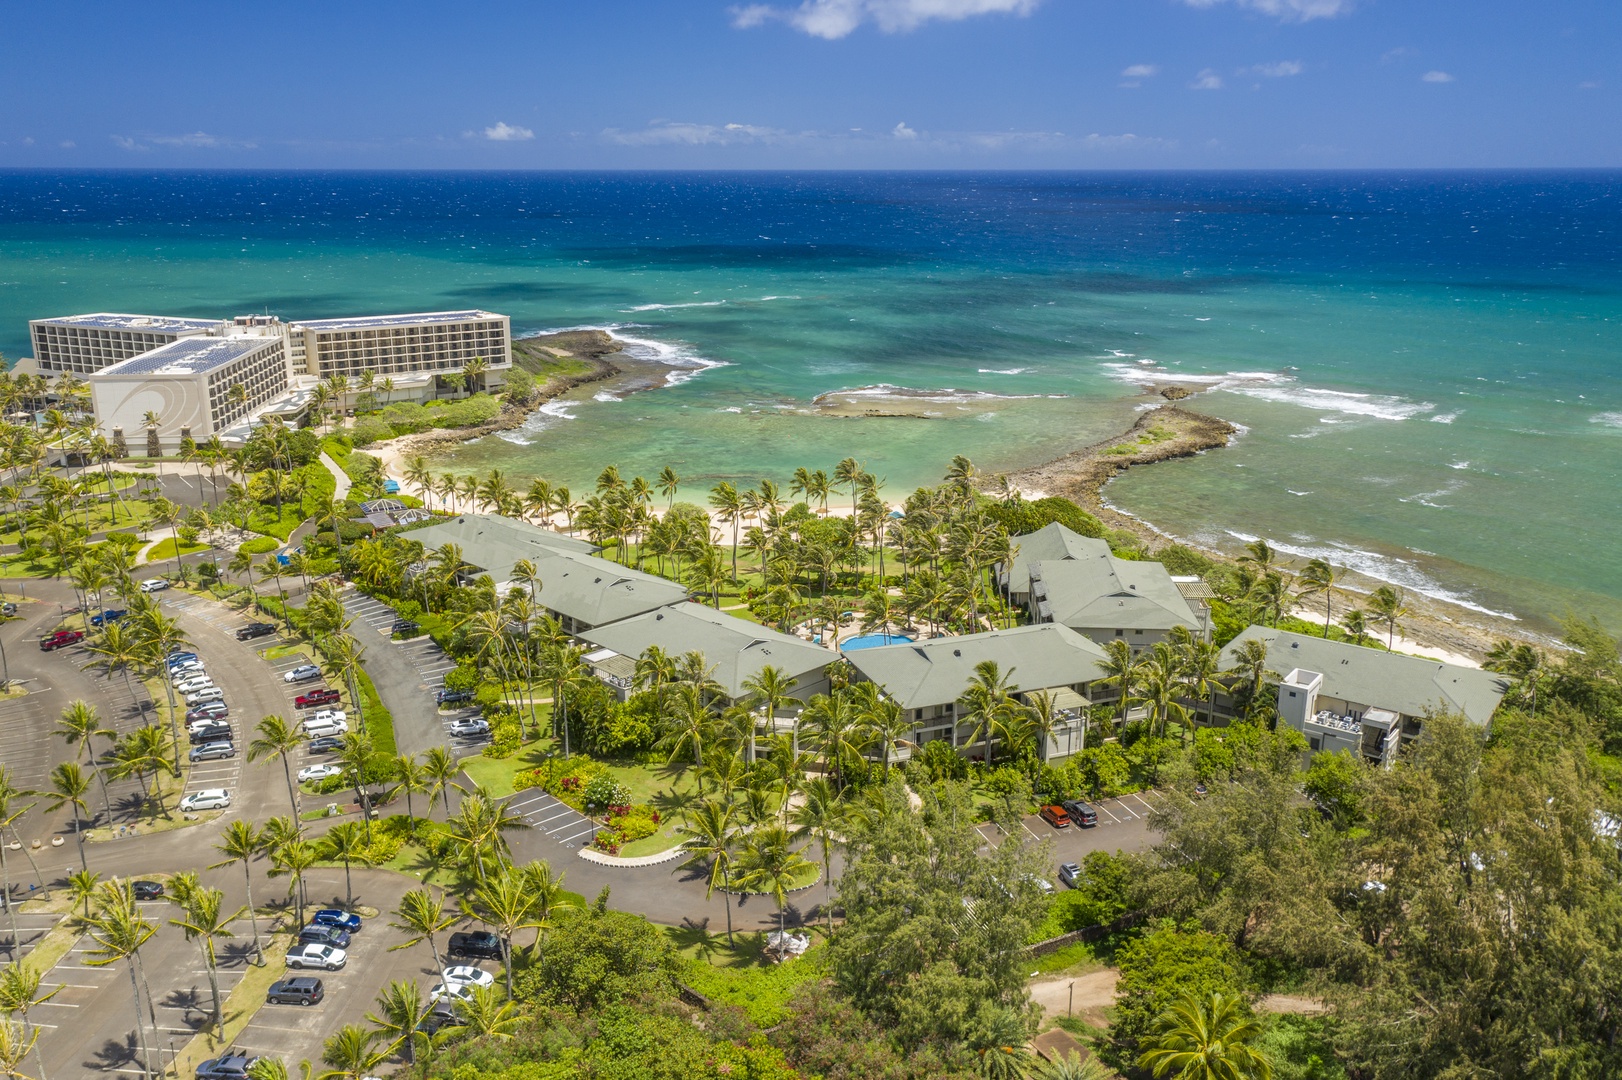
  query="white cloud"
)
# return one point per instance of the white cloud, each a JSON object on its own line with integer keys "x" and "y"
{"x": 1140, "y": 71}
{"x": 1206, "y": 80}
{"x": 902, "y": 131}
{"x": 194, "y": 140}
{"x": 1286, "y": 10}
{"x": 675, "y": 133}
{"x": 1283, "y": 69}
{"x": 834, "y": 19}
{"x": 124, "y": 142}
{"x": 1588, "y": 84}
{"x": 1436, "y": 77}
{"x": 946, "y": 144}
{"x": 67, "y": 144}
{"x": 505, "y": 132}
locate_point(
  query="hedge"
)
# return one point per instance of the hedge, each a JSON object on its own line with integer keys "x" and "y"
{"x": 259, "y": 545}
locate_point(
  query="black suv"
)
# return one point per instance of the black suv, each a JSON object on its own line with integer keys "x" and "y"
{"x": 1080, "y": 813}
{"x": 255, "y": 629}
{"x": 404, "y": 626}
{"x": 326, "y": 744}
{"x": 316, "y": 934}
{"x": 228, "y": 1066}
{"x": 212, "y": 733}
{"x": 147, "y": 890}
{"x": 300, "y": 991}
{"x": 476, "y": 945}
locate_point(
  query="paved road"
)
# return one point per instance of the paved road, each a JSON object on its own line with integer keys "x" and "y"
{"x": 406, "y": 674}
{"x": 1123, "y": 825}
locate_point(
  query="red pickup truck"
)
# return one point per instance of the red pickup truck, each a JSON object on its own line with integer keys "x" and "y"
{"x": 59, "y": 639}
{"x": 323, "y": 696}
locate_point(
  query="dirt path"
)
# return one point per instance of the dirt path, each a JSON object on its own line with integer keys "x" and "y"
{"x": 1093, "y": 993}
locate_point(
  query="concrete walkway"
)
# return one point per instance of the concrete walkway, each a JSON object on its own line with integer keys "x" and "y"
{"x": 338, "y": 475}
{"x": 593, "y": 855}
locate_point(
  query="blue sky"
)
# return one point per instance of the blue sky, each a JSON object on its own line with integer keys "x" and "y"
{"x": 813, "y": 84}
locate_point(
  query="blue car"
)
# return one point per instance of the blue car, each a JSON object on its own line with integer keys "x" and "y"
{"x": 343, "y": 920}
{"x": 109, "y": 616}
{"x": 179, "y": 657}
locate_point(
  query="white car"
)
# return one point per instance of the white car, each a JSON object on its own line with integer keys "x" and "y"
{"x": 330, "y": 716}
{"x": 317, "y": 956}
{"x": 450, "y": 991}
{"x": 467, "y": 975}
{"x": 207, "y": 799}
{"x": 318, "y": 772}
{"x": 207, "y": 693}
{"x": 156, "y": 584}
{"x": 185, "y": 668}
{"x": 302, "y": 673}
{"x": 470, "y": 729}
{"x": 194, "y": 683}
{"x": 315, "y": 729}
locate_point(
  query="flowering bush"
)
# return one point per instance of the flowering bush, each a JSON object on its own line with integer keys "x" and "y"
{"x": 602, "y": 790}
{"x": 607, "y": 841}
{"x": 633, "y": 822}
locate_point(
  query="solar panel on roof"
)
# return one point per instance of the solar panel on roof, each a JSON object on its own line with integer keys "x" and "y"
{"x": 364, "y": 322}
{"x": 188, "y": 356}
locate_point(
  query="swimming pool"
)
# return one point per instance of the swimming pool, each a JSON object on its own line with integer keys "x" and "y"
{"x": 868, "y": 641}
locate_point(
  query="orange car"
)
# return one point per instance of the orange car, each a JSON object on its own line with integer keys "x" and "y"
{"x": 1055, "y": 816}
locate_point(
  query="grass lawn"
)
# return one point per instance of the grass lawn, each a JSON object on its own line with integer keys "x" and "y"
{"x": 165, "y": 549}
{"x": 741, "y": 974}
{"x": 1078, "y": 958}
{"x": 238, "y": 1008}
{"x": 264, "y": 520}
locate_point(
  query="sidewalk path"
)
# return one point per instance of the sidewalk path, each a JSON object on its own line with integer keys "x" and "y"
{"x": 338, "y": 475}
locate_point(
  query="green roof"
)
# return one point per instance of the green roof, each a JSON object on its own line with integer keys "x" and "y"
{"x": 1377, "y": 678}
{"x": 1100, "y": 590}
{"x": 494, "y": 543}
{"x": 737, "y": 648}
{"x": 1049, "y": 542}
{"x": 935, "y": 671}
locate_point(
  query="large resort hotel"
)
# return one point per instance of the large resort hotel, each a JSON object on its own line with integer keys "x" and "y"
{"x": 181, "y": 371}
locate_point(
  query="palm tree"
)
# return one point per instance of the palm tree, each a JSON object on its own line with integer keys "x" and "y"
{"x": 1206, "y": 1038}
{"x": 119, "y": 929}
{"x": 15, "y": 1043}
{"x": 421, "y": 914}
{"x": 669, "y": 484}
{"x": 820, "y": 816}
{"x": 412, "y": 778}
{"x": 346, "y": 843}
{"x": 440, "y": 770}
{"x": 836, "y": 731}
{"x": 1386, "y": 605}
{"x": 691, "y": 724}
{"x": 1250, "y": 661}
{"x": 1043, "y": 718}
{"x": 142, "y": 753}
{"x": 278, "y": 738}
{"x": 1121, "y": 669}
{"x": 78, "y": 725}
{"x": 769, "y": 689}
{"x": 69, "y": 785}
{"x": 291, "y": 860}
{"x": 506, "y": 904}
{"x": 81, "y": 888}
{"x": 883, "y": 720}
{"x": 19, "y": 992}
{"x": 711, "y": 838}
{"x": 204, "y": 921}
{"x": 989, "y": 706}
{"x": 1319, "y": 577}
{"x": 848, "y": 473}
{"x": 484, "y": 1015}
{"x": 10, "y": 813}
{"x": 351, "y": 1053}
{"x": 403, "y": 1010}
{"x": 771, "y": 864}
{"x": 1159, "y": 686}
{"x": 241, "y": 843}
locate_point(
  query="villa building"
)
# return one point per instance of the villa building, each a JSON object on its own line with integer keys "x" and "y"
{"x": 736, "y": 650}
{"x": 1364, "y": 700}
{"x": 494, "y": 543}
{"x": 1051, "y": 543}
{"x": 926, "y": 678}
{"x": 1107, "y": 598}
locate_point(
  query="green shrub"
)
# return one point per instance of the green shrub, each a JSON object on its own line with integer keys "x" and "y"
{"x": 763, "y": 993}
{"x": 1022, "y": 517}
{"x": 464, "y": 676}
{"x": 602, "y": 791}
{"x": 259, "y": 545}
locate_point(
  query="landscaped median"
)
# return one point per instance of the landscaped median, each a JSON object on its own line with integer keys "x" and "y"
{"x": 245, "y": 1000}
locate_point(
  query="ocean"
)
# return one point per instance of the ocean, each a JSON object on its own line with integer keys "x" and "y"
{"x": 1427, "y": 366}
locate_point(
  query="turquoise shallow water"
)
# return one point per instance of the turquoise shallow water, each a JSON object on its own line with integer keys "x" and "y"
{"x": 1427, "y": 367}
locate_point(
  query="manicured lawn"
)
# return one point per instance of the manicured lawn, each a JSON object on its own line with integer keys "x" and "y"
{"x": 165, "y": 549}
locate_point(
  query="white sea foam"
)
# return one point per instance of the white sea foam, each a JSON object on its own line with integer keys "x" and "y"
{"x": 1387, "y": 568}
{"x": 946, "y": 396}
{"x": 538, "y": 421}
{"x": 604, "y": 395}
{"x": 1428, "y": 498}
{"x": 1149, "y": 371}
{"x": 1607, "y": 419}
{"x": 1344, "y": 403}
{"x": 763, "y": 299}
{"x": 1003, "y": 371}
{"x": 1445, "y": 418}
{"x": 1458, "y": 464}
{"x": 673, "y": 307}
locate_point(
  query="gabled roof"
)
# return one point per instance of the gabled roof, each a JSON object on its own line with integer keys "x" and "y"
{"x": 1374, "y": 677}
{"x": 1102, "y": 591}
{"x": 737, "y": 648}
{"x": 935, "y": 671}
{"x": 494, "y": 543}
{"x": 597, "y": 591}
{"x": 1052, "y": 541}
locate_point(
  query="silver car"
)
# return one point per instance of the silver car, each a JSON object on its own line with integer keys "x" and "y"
{"x": 213, "y": 750}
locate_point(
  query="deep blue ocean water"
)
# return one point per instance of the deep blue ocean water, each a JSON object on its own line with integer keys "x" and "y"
{"x": 1427, "y": 365}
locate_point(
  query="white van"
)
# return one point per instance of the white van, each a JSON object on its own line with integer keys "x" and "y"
{"x": 315, "y": 729}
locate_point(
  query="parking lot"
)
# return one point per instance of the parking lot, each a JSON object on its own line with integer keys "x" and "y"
{"x": 30, "y": 926}
{"x": 1123, "y": 825}
{"x": 556, "y": 820}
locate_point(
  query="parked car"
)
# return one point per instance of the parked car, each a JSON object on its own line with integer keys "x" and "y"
{"x": 108, "y": 616}
{"x": 475, "y": 945}
{"x": 156, "y": 584}
{"x": 1055, "y": 816}
{"x": 178, "y": 655}
{"x": 329, "y": 957}
{"x": 313, "y": 727}
{"x": 193, "y": 682}
{"x": 209, "y": 712}
{"x": 467, "y": 975}
{"x": 449, "y": 992}
{"x": 318, "y": 772}
{"x": 202, "y": 736}
{"x": 230, "y": 1065}
{"x": 208, "y": 693}
{"x": 302, "y": 673}
{"x": 471, "y": 728}
{"x": 1069, "y": 874}
{"x": 255, "y": 630}
{"x": 316, "y": 934}
{"x": 210, "y": 751}
{"x": 185, "y": 669}
{"x": 403, "y": 626}
{"x": 1040, "y": 882}
{"x": 147, "y": 890}
{"x": 52, "y": 642}
{"x": 453, "y": 697}
{"x": 315, "y": 698}
{"x": 207, "y": 799}
{"x": 326, "y": 744}
{"x": 1080, "y": 813}
{"x": 8, "y": 608}
{"x": 343, "y": 920}
{"x": 443, "y": 1014}
{"x": 300, "y": 991}
{"x": 330, "y": 716}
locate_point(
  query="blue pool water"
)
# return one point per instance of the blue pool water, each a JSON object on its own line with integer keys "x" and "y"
{"x": 869, "y": 641}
